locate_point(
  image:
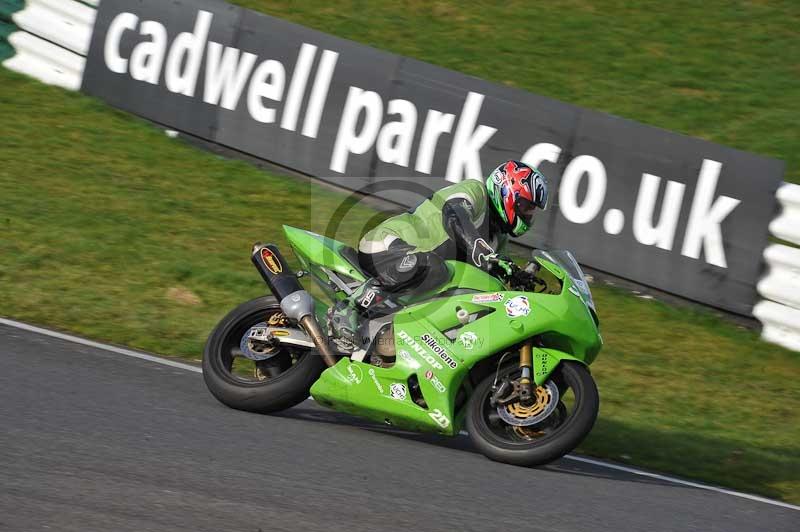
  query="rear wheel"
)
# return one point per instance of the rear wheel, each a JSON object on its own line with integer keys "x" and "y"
{"x": 250, "y": 377}
{"x": 558, "y": 419}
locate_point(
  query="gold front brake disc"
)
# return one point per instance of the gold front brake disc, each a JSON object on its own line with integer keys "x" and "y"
{"x": 520, "y": 411}
{"x": 517, "y": 415}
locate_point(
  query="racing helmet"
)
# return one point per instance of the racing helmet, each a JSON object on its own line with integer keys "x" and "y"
{"x": 515, "y": 191}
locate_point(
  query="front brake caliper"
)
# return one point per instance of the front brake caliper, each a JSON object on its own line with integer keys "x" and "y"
{"x": 504, "y": 394}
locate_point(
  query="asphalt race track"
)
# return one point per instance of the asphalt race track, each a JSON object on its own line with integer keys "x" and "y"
{"x": 92, "y": 440}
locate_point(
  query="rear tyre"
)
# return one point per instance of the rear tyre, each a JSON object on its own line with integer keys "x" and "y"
{"x": 279, "y": 382}
{"x": 549, "y": 439}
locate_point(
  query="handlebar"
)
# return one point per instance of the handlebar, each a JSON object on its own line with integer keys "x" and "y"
{"x": 509, "y": 272}
{"x": 502, "y": 267}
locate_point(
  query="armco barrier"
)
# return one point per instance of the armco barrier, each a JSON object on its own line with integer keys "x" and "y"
{"x": 787, "y": 225}
{"x": 780, "y": 315}
{"x": 782, "y": 282}
{"x": 68, "y": 26}
{"x": 47, "y": 39}
{"x": 45, "y": 61}
{"x": 63, "y": 22}
{"x": 781, "y": 324}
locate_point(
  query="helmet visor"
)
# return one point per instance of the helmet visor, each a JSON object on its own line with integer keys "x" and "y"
{"x": 541, "y": 195}
{"x": 525, "y": 210}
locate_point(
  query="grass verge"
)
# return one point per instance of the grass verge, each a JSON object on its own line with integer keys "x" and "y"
{"x": 724, "y": 71}
{"x": 113, "y": 231}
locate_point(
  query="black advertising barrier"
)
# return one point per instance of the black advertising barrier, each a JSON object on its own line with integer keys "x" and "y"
{"x": 153, "y": 100}
{"x": 676, "y": 213}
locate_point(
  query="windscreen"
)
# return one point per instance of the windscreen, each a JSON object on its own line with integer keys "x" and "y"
{"x": 567, "y": 262}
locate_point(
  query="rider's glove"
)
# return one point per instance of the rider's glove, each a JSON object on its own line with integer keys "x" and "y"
{"x": 491, "y": 262}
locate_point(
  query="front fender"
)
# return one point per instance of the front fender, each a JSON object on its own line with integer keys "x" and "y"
{"x": 545, "y": 361}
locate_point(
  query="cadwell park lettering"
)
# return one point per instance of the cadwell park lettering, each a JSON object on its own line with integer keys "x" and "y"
{"x": 656, "y": 207}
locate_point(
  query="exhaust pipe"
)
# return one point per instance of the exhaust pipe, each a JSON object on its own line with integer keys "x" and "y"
{"x": 296, "y": 303}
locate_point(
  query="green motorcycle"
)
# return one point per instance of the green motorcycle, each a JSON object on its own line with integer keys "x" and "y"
{"x": 506, "y": 359}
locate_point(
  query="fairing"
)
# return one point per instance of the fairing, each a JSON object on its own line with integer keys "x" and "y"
{"x": 437, "y": 350}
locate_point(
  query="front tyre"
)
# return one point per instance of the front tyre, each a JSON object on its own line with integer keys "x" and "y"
{"x": 559, "y": 427}
{"x": 257, "y": 380}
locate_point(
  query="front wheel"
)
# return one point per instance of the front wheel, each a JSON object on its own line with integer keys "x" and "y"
{"x": 562, "y": 414}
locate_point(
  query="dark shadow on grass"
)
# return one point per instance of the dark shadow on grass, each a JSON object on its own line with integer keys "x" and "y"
{"x": 673, "y": 453}
{"x": 698, "y": 457}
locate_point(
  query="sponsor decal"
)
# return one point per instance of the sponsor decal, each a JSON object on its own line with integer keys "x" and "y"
{"x": 258, "y": 332}
{"x": 354, "y": 374}
{"x": 518, "y": 306}
{"x": 481, "y": 251}
{"x": 368, "y": 298}
{"x": 498, "y": 176}
{"x": 271, "y": 261}
{"x": 279, "y": 318}
{"x": 487, "y": 298}
{"x": 378, "y": 384}
{"x": 439, "y": 418}
{"x": 408, "y": 359}
{"x": 543, "y": 363}
{"x": 427, "y": 357}
{"x": 408, "y": 262}
{"x": 418, "y": 349}
{"x": 435, "y": 381}
{"x": 439, "y": 350}
{"x": 279, "y": 332}
{"x": 397, "y": 391}
{"x": 468, "y": 340}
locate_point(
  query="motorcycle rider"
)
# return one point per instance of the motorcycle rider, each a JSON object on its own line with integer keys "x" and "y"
{"x": 469, "y": 221}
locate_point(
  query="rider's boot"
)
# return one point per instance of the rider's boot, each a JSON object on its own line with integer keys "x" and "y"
{"x": 367, "y": 301}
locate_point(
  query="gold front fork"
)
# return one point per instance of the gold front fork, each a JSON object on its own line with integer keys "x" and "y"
{"x": 526, "y": 365}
